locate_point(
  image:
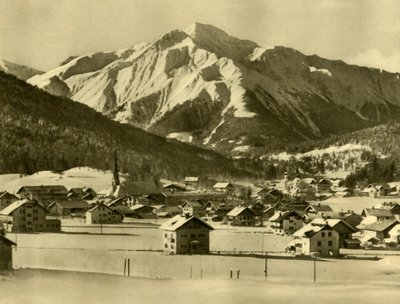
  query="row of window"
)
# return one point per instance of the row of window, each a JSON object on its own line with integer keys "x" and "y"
{"x": 329, "y": 234}
{"x": 319, "y": 243}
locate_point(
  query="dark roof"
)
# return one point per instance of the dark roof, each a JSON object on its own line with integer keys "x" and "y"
{"x": 7, "y": 241}
{"x": 283, "y": 215}
{"x": 45, "y": 188}
{"x": 140, "y": 188}
{"x": 320, "y": 208}
{"x": 381, "y": 226}
{"x": 71, "y": 204}
{"x": 7, "y": 195}
{"x": 378, "y": 212}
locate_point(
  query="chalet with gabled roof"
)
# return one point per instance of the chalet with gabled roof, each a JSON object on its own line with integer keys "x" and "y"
{"x": 192, "y": 182}
{"x": 286, "y": 222}
{"x": 6, "y": 199}
{"x": 319, "y": 239}
{"x": 70, "y": 207}
{"x": 100, "y": 213}
{"x": 44, "y": 194}
{"x": 28, "y": 216}
{"x": 223, "y": 187}
{"x": 241, "y": 216}
{"x": 378, "y": 230}
{"x": 186, "y": 235}
{"x": 195, "y": 208}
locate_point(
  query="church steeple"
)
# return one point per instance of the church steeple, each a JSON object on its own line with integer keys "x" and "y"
{"x": 115, "y": 180}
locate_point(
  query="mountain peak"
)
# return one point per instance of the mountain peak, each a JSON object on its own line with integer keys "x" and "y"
{"x": 200, "y": 29}
{"x": 219, "y": 42}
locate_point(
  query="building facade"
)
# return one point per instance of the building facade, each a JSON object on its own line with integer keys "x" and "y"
{"x": 102, "y": 214}
{"x": 28, "y": 216}
{"x": 186, "y": 235}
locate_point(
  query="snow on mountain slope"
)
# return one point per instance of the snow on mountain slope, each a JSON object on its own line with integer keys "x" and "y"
{"x": 227, "y": 92}
{"x": 20, "y": 71}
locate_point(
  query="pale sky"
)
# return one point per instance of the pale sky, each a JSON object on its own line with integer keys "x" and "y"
{"x": 42, "y": 33}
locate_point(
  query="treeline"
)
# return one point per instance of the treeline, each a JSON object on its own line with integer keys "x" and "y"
{"x": 42, "y": 132}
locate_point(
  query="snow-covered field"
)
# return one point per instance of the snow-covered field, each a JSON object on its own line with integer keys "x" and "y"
{"x": 75, "y": 177}
{"x": 40, "y": 286}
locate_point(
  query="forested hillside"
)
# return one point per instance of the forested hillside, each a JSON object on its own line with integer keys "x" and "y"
{"x": 42, "y": 132}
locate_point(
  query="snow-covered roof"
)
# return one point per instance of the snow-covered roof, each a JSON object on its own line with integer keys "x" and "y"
{"x": 191, "y": 179}
{"x": 395, "y": 231}
{"x": 381, "y": 226}
{"x": 222, "y": 185}
{"x": 309, "y": 230}
{"x": 238, "y": 210}
{"x": 15, "y": 205}
{"x": 178, "y": 221}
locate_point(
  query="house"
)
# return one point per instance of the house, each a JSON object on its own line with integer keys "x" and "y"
{"x": 377, "y": 214}
{"x": 393, "y": 207}
{"x": 314, "y": 238}
{"x": 350, "y": 217}
{"x": 269, "y": 197}
{"x": 394, "y": 235}
{"x": 344, "y": 229}
{"x": 70, "y": 207}
{"x": 217, "y": 209}
{"x": 195, "y": 208}
{"x": 323, "y": 186}
{"x": 102, "y": 214}
{"x": 174, "y": 187}
{"x": 378, "y": 190}
{"x": 6, "y": 253}
{"x": 241, "y": 216}
{"x": 86, "y": 193}
{"x": 136, "y": 189}
{"x": 378, "y": 230}
{"x": 286, "y": 222}
{"x": 192, "y": 182}
{"x": 343, "y": 192}
{"x": 6, "y": 199}
{"x": 223, "y": 187}
{"x": 125, "y": 201}
{"x": 319, "y": 209}
{"x": 258, "y": 208}
{"x": 186, "y": 235}
{"x": 279, "y": 206}
{"x": 44, "y": 194}
{"x": 28, "y": 216}
{"x": 138, "y": 211}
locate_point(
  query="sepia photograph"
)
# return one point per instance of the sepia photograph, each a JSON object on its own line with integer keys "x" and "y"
{"x": 199, "y": 151}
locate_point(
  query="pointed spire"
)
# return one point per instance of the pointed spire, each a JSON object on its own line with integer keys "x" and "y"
{"x": 115, "y": 181}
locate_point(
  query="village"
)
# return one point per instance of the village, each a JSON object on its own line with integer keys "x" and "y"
{"x": 291, "y": 214}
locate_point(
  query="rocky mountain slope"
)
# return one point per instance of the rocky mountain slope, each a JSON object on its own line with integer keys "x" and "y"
{"x": 208, "y": 88}
{"x": 22, "y": 72}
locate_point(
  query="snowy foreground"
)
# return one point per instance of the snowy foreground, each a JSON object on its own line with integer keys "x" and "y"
{"x": 43, "y": 287}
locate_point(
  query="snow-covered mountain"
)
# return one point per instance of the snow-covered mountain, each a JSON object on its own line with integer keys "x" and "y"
{"x": 22, "y": 72}
{"x": 204, "y": 86}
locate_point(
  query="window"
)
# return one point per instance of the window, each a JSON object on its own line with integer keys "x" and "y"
{"x": 165, "y": 235}
{"x": 323, "y": 234}
{"x": 329, "y": 234}
{"x": 319, "y": 243}
{"x": 166, "y": 246}
{"x": 330, "y": 243}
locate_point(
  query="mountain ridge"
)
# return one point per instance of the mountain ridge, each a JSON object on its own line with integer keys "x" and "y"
{"x": 227, "y": 93}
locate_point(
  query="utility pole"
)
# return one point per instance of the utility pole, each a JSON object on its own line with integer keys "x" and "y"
{"x": 266, "y": 268}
